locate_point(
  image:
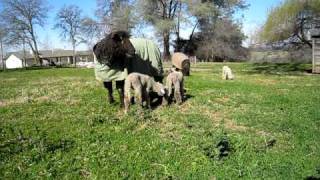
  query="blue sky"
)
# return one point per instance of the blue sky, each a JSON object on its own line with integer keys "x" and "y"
{"x": 253, "y": 17}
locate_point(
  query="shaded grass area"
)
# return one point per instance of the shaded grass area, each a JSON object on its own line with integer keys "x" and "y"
{"x": 56, "y": 123}
{"x": 282, "y": 68}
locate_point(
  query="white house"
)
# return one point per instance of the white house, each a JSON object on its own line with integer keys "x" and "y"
{"x": 49, "y": 57}
{"x": 13, "y": 62}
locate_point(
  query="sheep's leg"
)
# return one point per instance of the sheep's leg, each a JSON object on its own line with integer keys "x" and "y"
{"x": 108, "y": 86}
{"x": 182, "y": 90}
{"x": 120, "y": 89}
{"x": 147, "y": 95}
{"x": 138, "y": 94}
{"x": 177, "y": 94}
{"x": 127, "y": 98}
{"x": 165, "y": 100}
{"x": 169, "y": 86}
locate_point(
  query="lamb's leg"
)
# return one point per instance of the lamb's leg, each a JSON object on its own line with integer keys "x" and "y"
{"x": 138, "y": 91}
{"x": 177, "y": 92}
{"x": 127, "y": 98}
{"x": 169, "y": 86}
{"x": 147, "y": 95}
{"x": 108, "y": 86}
{"x": 120, "y": 89}
{"x": 182, "y": 90}
{"x": 165, "y": 100}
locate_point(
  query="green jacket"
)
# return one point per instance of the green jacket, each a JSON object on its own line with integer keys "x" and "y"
{"x": 147, "y": 60}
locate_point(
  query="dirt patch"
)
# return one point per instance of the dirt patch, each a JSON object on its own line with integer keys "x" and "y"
{"x": 42, "y": 99}
{"x": 219, "y": 118}
{"x": 224, "y": 99}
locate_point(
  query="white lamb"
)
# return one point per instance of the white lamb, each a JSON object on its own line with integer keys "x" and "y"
{"x": 142, "y": 85}
{"x": 175, "y": 81}
{"x": 227, "y": 73}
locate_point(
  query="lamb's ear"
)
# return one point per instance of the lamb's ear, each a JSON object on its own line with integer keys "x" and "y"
{"x": 163, "y": 91}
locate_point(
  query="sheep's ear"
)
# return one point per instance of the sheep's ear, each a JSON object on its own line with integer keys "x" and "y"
{"x": 163, "y": 91}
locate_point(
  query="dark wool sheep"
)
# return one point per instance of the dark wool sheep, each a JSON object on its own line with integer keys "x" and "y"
{"x": 116, "y": 56}
{"x": 112, "y": 50}
{"x": 112, "y": 53}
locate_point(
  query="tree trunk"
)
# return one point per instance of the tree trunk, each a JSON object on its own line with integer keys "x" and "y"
{"x": 2, "y": 57}
{"x": 74, "y": 54}
{"x": 36, "y": 53}
{"x": 35, "y": 46}
{"x": 24, "y": 55}
{"x": 166, "y": 46}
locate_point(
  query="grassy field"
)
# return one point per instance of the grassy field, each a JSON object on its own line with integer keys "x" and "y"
{"x": 56, "y": 123}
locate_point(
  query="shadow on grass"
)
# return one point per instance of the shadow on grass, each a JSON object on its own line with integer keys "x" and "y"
{"x": 157, "y": 101}
{"x": 280, "y": 68}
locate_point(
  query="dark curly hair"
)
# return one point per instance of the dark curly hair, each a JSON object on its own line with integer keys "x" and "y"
{"x": 112, "y": 49}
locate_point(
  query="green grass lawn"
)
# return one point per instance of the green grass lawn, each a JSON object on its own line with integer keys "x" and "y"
{"x": 56, "y": 123}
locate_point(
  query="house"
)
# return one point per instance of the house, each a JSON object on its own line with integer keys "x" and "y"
{"x": 18, "y": 60}
{"x": 49, "y": 57}
{"x": 13, "y": 62}
{"x": 315, "y": 36}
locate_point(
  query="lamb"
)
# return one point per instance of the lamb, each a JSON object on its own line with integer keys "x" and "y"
{"x": 142, "y": 85}
{"x": 227, "y": 73}
{"x": 175, "y": 81}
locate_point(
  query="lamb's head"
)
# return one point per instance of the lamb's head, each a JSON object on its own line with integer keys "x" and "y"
{"x": 116, "y": 46}
{"x": 159, "y": 88}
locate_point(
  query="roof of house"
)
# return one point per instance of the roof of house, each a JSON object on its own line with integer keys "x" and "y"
{"x": 315, "y": 33}
{"x": 49, "y": 53}
{"x": 19, "y": 54}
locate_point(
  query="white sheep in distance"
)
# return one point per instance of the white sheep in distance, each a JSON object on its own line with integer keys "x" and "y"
{"x": 227, "y": 73}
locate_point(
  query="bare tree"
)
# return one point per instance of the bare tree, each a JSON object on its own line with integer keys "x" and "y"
{"x": 22, "y": 17}
{"x": 116, "y": 14}
{"x": 91, "y": 30}
{"x": 162, "y": 15}
{"x": 3, "y": 36}
{"x": 69, "y": 23}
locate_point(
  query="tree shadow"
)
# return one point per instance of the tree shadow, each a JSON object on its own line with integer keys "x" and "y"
{"x": 280, "y": 68}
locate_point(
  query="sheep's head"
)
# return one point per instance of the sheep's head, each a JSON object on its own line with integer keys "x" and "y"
{"x": 159, "y": 89}
{"x": 115, "y": 47}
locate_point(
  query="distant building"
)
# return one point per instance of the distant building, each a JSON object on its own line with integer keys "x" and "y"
{"x": 21, "y": 59}
{"x": 315, "y": 36}
{"x": 13, "y": 62}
